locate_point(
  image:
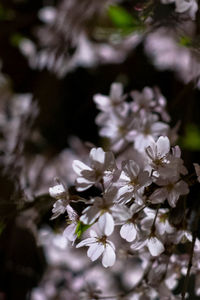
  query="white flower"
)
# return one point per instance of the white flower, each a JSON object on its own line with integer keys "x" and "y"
{"x": 157, "y": 153}
{"x": 59, "y": 192}
{"x": 162, "y": 225}
{"x": 114, "y": 101}
{"x": 171, "y": 189}
{"x": 132, "y": 182}
{"x": 182, "y": 236}
{"x": 102, "y": 167}
{"x": 147, "y": 128}
{"x": 116, "y": 127}
{"x": 99, "y": 245}
{"x": 148, "y": 101}
{"x": 59, "y": 207}
{"x": 101, "y": 208}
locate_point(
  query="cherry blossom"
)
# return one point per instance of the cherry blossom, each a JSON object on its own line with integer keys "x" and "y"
{"x": 102, "y": 167}
{"x": 170, "y": 189}
{"x": 99, "y": 245}
{"x": 132, "y": 182}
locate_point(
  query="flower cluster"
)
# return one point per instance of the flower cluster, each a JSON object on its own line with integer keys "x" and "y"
{"x": 140, "y": 182}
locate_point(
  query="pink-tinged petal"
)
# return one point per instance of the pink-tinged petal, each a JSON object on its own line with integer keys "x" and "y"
{"x": 116, "y": 92}
{"x": 95, "y": 250}
{"x": 128, "y": 232}
{"x": 163, "y": 146}
{"x": 182, "y": 187}
{"x": 159, "y": 128}
{"x": 97, "y": 155}
{"x": 172, "y": 198}
{"x": 109, "y": 256}
{"x": 102, "y": 101}
{"x": 86, "y": 242}
{"x": 148, "y": 93}
{"x": 79, "y": 166}
{"x": 69, "y": 232}
{"x": 158, "y": 196}
{"x": 144, "y": 179}
{"x": 106, "y": 224}
{"x": 155, "y": 246}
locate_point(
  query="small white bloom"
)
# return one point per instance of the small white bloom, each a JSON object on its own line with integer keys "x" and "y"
{"x": 171, "y": 189}
{"x": 102, "y": 167}
{"x": 146, "y": 129}
{"x": 59, "y": 207}
{"x": 132, "y": 182}
{"x": 114, "y": 101}
{"x": 157, "y": 153}
{"x": 99, "y": 245}
{"x": 60, "y": 193}
{"x": 101, "y": 207}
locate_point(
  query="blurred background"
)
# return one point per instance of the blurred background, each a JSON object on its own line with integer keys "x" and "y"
{"x": 54, "y": 57}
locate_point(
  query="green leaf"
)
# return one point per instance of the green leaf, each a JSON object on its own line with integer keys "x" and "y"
{"x": 191, "y": 140}
{"x": 80, "y": 228}
{"x": 185, "y": 41}
{"x": 121, "y": 18}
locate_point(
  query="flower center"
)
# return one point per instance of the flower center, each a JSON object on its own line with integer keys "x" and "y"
{"x": 102, "y": 240}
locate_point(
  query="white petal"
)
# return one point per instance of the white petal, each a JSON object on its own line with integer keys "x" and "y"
{"x": 86, "y": 242}
{"x": 57, "y": 191}
{"x": 79, "y": 166}
{"x": 98, "y": 155}
{"x": 109, "y": 256}
{"x": 128, "y": 232}
{"x": 172, "y": 198}
{"x": 83, "y": 184}
{"x": 102, "y": 101}
{"x": 155, "y": 246}
{"x": 163, "y": 146}
{"x": 116, "y": 91}
{"x": 90, "y": 214}
{"x": 106, "y": 224}
{"x": 158, "y": 196}
{"x": 69, "y": 232}
{"x": 131, "y": 169}
{"x": 95, "y": 251}
{"x": 71, "y": 213}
